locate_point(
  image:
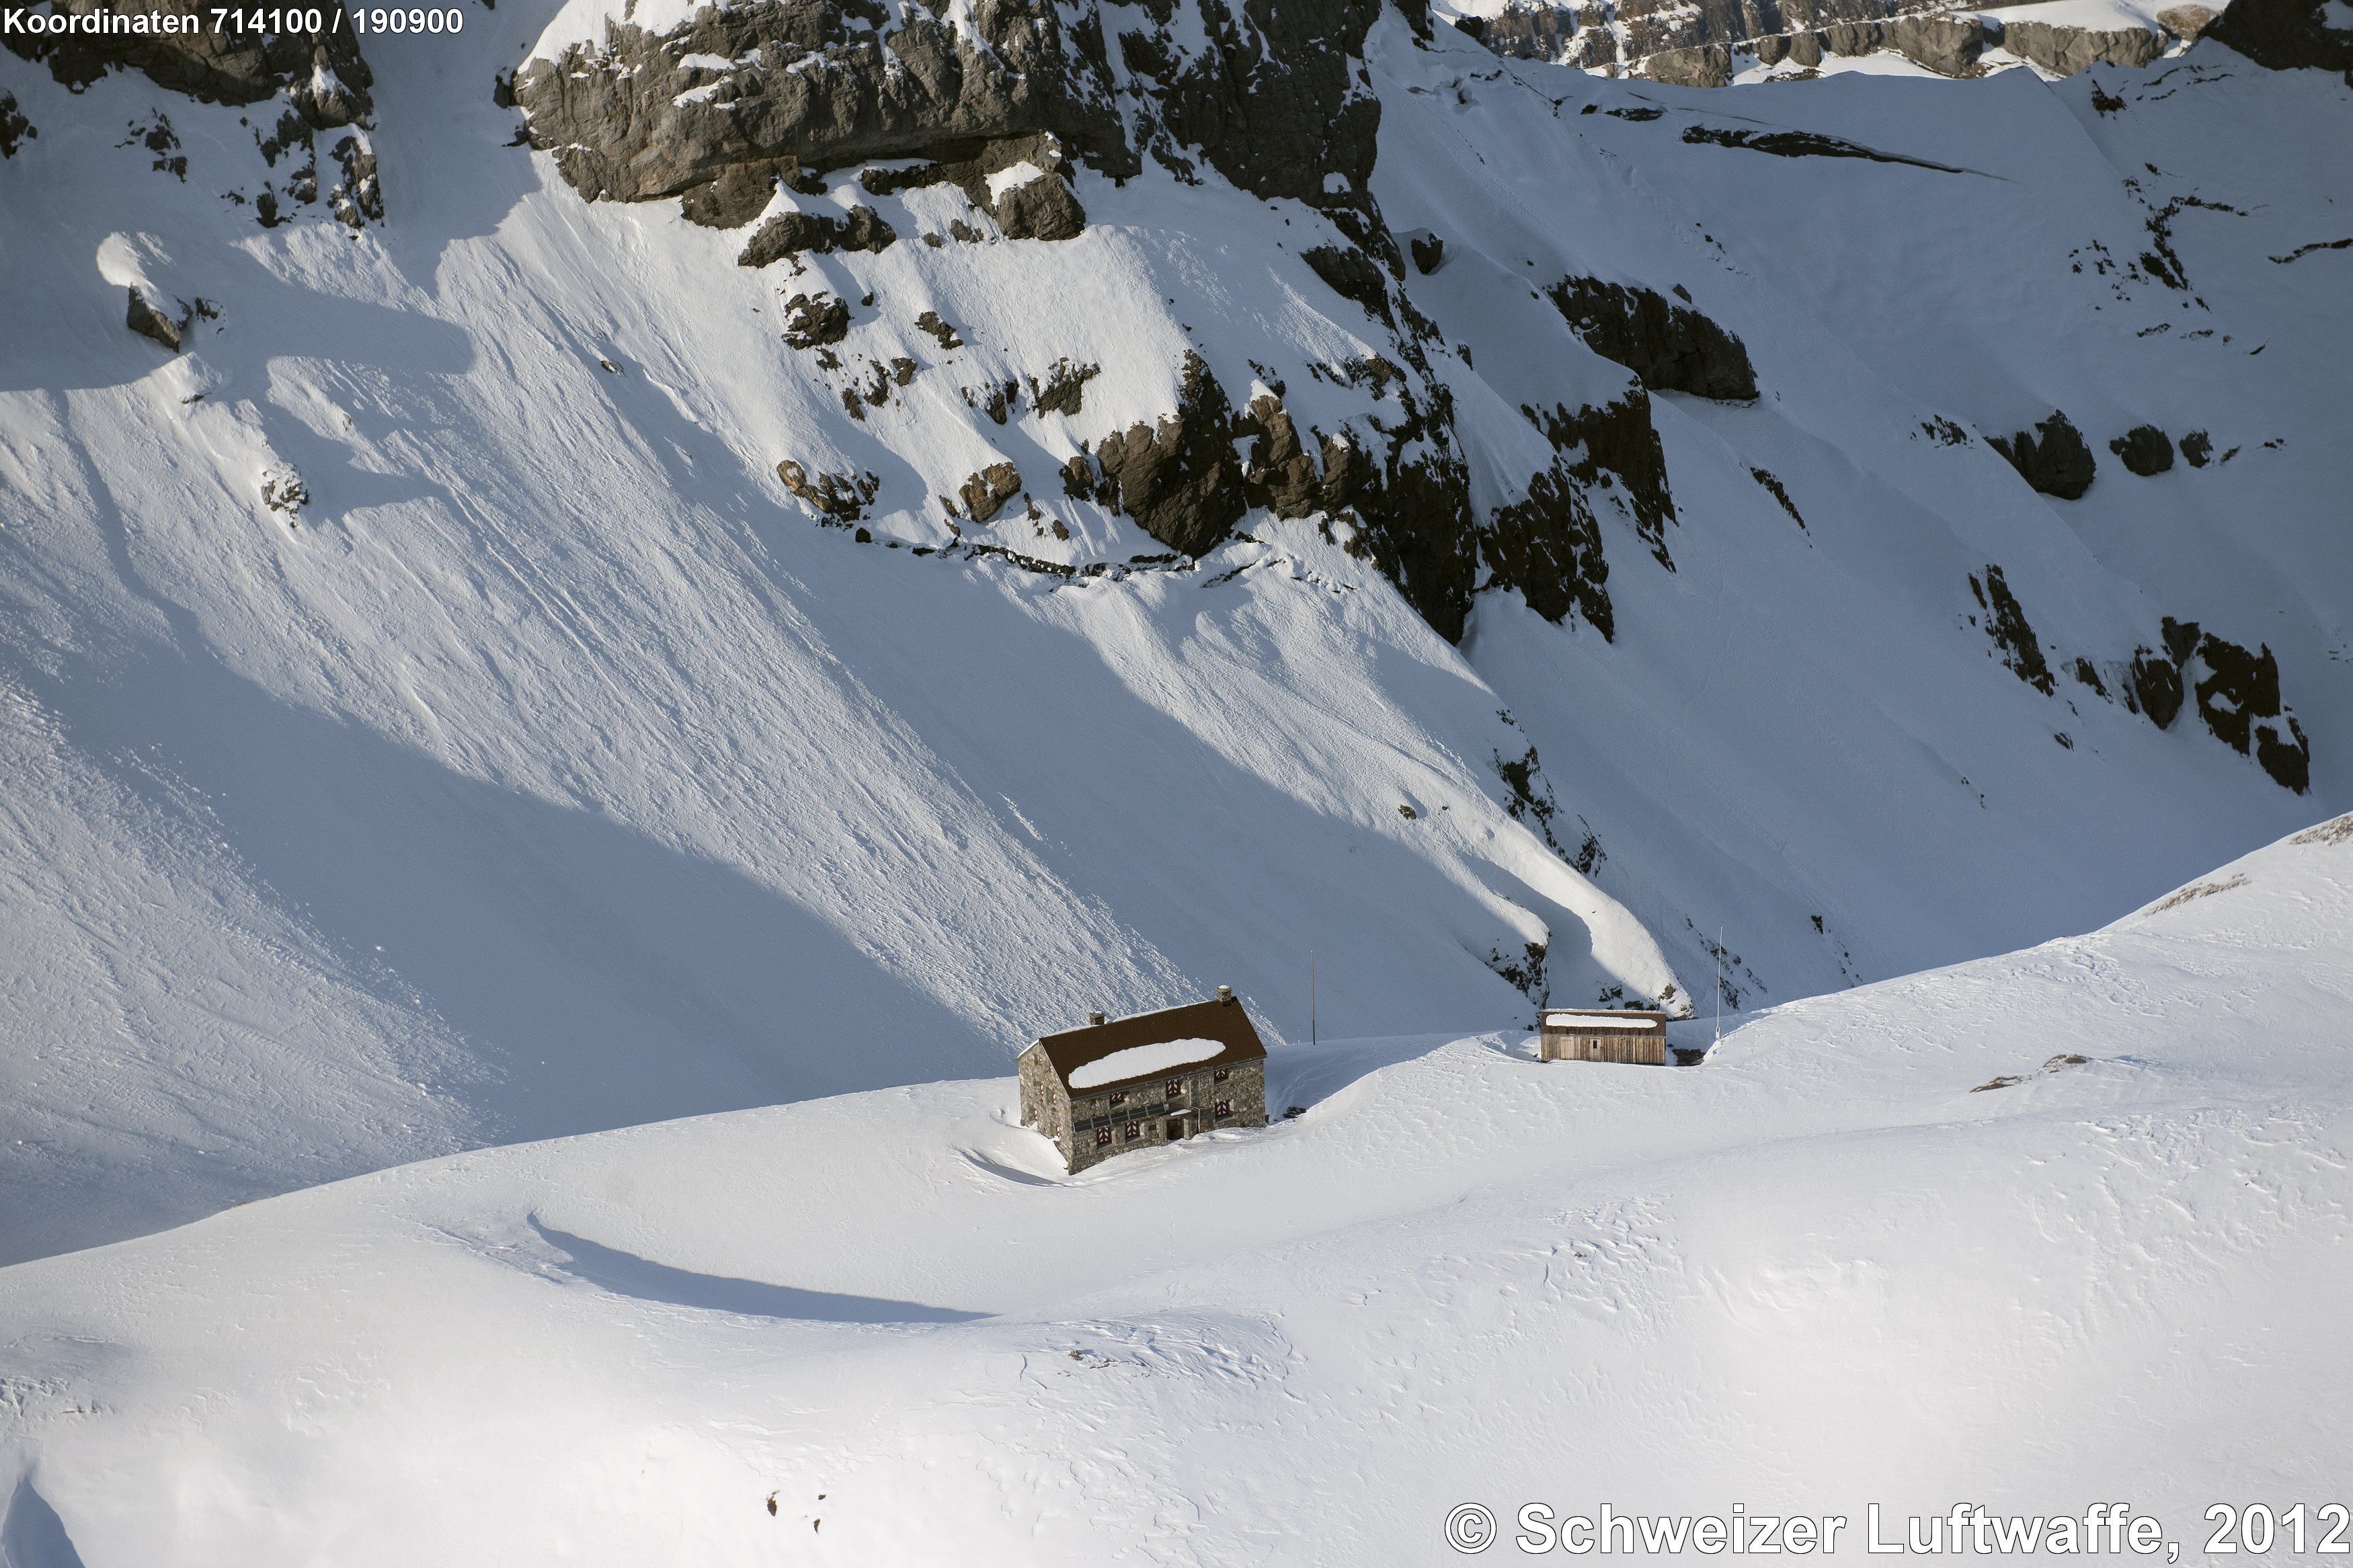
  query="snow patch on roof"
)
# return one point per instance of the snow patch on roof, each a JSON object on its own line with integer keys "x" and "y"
{"x": 1143, "y": 1061}
{"x": 1589, "y": 1021}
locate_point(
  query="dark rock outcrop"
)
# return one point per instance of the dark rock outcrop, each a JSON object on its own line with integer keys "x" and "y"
{"x": 1064, "y": 389}
{"x": 1269, "y": 97}
{"x": 1548, "y": 547}
{"x": 1354, "y": 276}
{"x": 2238, "y": 696}
{"x": 2058, "y": 463}
{"x": 816, "y": 320}
{"x": 985, "y": 492}
{"x": 842, "y": 497}
{"x": 2143, "y": 450}
{"x": 1618, "y": 444}
{"x": 357, "y": 199}
{"x": 1041, "y": 208}
{"x": 791, "y": 233}
{"x": 2197, "y": 448}
{"x": 322, "y": 74}
{"x": 2187, "y": 23}
{"x": 1671, "y": 347}
{"x": 2006, "y": 624}
{"x": 1698, "y": 45}
{"x": 2156, "y": 688}
{"x": 15, "y": 129}
{"x": 149, "y": 322}
{"x": 2066, "y": 51}
{"x": 1180, "y": 479}
{"x": 2285, "y": 34}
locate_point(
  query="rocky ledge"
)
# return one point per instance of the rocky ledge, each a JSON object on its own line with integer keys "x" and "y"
{"x": 1708, "y": 44}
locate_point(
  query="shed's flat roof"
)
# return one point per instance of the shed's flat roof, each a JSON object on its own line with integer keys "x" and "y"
{"x": 1225, "y": 1022}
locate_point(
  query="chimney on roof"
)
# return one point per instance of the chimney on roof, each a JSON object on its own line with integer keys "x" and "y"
{"x": 1225, "y": 994}
{"x": 1094, "y": 1018}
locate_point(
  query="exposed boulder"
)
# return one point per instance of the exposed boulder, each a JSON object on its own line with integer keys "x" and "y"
{"x": 941, "y": 331}
{"x": 1180, "y": 480}
{"x": 843, "y": 498}
{"x": 2143, "y": 450}
{"x": 1428, "y": 251}
{"x": 1064, "y": 389}
{"x": 985, "y": 492}
{"x": 149, "y": 322}
{"x": 1672, "y": 348}
{"x": 792, "y": 233}
{"x": 1040, "y": 207}
{"x": 2057, "y": 464}
{"x": 282, "y": 490}
{"x": 816, "y": 320}
{"x": 2197, "y": 448}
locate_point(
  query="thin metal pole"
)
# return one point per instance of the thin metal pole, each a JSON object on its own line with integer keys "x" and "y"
{"x": 1719, "y": 985}
{"x": 1310, "y": 996}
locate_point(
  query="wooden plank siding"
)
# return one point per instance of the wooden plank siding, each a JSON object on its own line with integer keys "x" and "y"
{"x": 1559, "y": 1039}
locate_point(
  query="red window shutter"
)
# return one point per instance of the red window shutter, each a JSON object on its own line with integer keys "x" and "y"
{"x": 1225, "y": 1107}
{"x": 1134, "y": 1130}
{"x": 1102, "y": 1136}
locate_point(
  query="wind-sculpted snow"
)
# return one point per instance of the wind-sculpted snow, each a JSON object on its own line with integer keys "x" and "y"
{"x": 2059, "y": 1227}
{"x": 524, "y": 665}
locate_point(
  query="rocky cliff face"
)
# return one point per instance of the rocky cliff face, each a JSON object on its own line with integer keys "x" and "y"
{"x": 755, "y": 93}
{"x": 1706, "y": 45}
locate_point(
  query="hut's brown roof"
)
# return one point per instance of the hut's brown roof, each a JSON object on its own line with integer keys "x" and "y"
{"x": 1224, "y": 1022}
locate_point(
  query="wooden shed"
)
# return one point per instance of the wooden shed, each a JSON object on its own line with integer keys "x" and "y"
{"x": 1573, "y": 1037}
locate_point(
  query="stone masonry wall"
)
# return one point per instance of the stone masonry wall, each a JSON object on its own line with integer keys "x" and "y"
{"x": 1073, "y": 1125}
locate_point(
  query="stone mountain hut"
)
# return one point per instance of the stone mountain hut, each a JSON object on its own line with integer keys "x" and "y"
{"x": 1130, "y": 1083}
{"x": 1572, "y": 1037}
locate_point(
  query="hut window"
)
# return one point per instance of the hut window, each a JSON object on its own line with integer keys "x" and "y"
{"x": 1220, "y": 1075}
{"x": 1102, "y": 1136}
{"x": 1119, "y": 1098}
{"x": 1225, "y": 1107}
{"x": 1134, "y": 1130}
{"x": 1175, "y": 1089}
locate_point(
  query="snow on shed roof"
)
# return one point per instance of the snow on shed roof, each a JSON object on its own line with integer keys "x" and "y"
{"x": 1644, "y": 1021}
{"x": 1224, "y": 1025}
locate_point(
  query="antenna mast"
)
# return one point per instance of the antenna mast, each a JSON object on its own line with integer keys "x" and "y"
{"x": 1719, "y": 985}
{"x": 1310, "y": 996}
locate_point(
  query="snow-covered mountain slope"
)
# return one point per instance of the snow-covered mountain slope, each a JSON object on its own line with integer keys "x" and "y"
{"x": 469, "y": 690}
{"x": 2066, "y": 1224}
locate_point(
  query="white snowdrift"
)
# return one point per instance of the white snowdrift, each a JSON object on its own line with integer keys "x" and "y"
{"x": 2061, "y": 1226}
